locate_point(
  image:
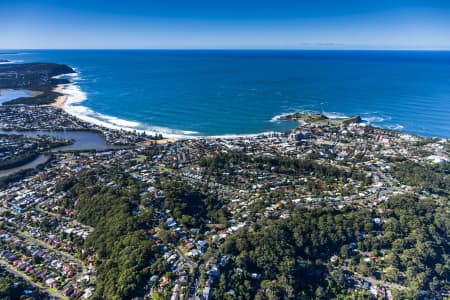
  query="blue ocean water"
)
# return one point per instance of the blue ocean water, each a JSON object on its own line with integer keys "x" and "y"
{"x": 240, "y": 92}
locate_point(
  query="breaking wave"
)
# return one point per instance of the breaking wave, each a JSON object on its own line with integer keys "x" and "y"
{"x": 72, "y": 105}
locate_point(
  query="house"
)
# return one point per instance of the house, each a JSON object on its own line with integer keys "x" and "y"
{"x": 176, "y": 293}
{"x": 207, "y": 293}
{"x": 68, "y": 291}
{"x": 171, "y": 223}
{"x": 87, "y": 293}
{"x": 203, "y": 245}
{"x": 164, "y": 282}
{"x": 51, "y": 282}
{"x": 298, "y": 136}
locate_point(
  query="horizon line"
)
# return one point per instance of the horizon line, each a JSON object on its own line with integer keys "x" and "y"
{"x": 237, "y": 49}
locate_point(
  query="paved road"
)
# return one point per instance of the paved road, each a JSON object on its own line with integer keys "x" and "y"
{"x": 192, "y": 265}
{"x": 53, "y": 295}
{"x": 65, "y": 218}
{"x": 376, "y": 282}
{"x": 25, "y": 235}
{"x": 80, "y": 266}
{"x": 196, "y": 284}
{"x": 188, "y": 262}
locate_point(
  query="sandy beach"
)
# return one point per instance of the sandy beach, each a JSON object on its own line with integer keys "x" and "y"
{"x": 157, "y": 142}
{"x": 60, "y": 103}
{"x": 61, "y": 100}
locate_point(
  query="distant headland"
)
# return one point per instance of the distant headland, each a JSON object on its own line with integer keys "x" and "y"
{"x": 314, "y": 118}
{"x": 37, "y": 77}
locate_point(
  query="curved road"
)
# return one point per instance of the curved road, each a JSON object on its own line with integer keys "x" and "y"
{"x": 73, "y": 259}
{"x": 53, "y": 295}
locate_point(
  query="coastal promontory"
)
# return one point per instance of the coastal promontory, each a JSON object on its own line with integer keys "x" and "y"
{"x": 316, "y": 118}
{"x": 39, "y": 77}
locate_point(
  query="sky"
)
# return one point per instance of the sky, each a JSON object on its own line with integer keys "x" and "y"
{"x": 225, "y": 24}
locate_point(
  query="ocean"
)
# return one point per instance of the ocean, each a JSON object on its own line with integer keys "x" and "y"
{"x": 218, "y": 93}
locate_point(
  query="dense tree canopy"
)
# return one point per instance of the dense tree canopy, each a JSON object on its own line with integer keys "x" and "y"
{"x": 289, "y": 255}
{"x": 431, "y": 178}
{"x": 292, "y": 255}
{"x": 119, "y": 239}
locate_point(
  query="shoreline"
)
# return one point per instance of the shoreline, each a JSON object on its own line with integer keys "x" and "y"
{"x": 38, "y": 161}
{"x": 62, "y": 103}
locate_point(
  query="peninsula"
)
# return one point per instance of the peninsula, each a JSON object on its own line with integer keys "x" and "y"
{"x": 39, "y": 77}
{"x": 313, "y": 118}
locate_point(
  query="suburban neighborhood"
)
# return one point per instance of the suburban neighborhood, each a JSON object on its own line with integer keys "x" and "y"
{"x": 250, "y": 178}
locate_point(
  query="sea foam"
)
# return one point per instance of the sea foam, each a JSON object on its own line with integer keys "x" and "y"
{"x": 14, "y": 61}
{"x": 279, "y": 117}
{"x": 75, "y": 96}
{"x": 397, "y": 127}
{"x": 72, "y": 105}
{"x": 330, "y": 115}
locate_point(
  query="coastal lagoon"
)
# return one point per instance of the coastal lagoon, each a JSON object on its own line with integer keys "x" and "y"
{"x": 216, "y": 93}
{"x": 41, "y": 159}
{"x": 83, "y": 140}
{"x": 11, "y": 94}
